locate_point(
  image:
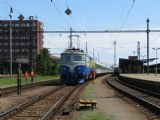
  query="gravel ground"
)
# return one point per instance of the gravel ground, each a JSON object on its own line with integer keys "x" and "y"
{"x": 13, "y": 100}
{"x": 112, "y": 103}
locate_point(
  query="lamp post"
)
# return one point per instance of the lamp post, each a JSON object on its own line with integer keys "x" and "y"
{"x": 10, "y": 40}
{"x": 114, "y": 43}
{"x": 156, "y": 49}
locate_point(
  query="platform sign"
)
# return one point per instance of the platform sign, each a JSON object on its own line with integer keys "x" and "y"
{"x": 22, "y": 60}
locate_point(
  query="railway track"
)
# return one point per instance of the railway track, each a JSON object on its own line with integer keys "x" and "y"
{"x": 10, "y": 90}
{"x": 41, "y": 107}
{"x": 143, "y": 97}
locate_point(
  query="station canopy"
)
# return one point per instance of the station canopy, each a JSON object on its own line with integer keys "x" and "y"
{"x": 150, "y": 60}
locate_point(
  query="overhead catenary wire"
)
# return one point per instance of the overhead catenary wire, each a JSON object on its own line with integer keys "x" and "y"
{"x": 73, "y": 19}
{"x": 60, "y": 14}
{"x": 127, "y": 15}
{"x": 157, "y": 36}
{"x": 125, "y": 18}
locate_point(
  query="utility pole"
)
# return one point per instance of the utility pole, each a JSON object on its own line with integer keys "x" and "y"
{"x": 138, "y": 50}
{"x": 86, "y": 48}
{"x": 31, "y": 18}
{"x": 147, "y": 45}
{"x": 93, "y": 53}
{"x": 70, "y": 38}
{"x": 10, "y": 40}
{"x": 98, "y": 57}
{"x": 114, "y": 52}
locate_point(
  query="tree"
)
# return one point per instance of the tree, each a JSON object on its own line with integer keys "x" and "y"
{"x": 44, "y": 65}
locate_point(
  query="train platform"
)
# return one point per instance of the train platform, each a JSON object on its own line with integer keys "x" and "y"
{"x": 109, "y": 102}
{"x": 149, "y": 77}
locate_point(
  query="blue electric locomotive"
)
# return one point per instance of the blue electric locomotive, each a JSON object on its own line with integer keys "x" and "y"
{"x": 75, "y": 66}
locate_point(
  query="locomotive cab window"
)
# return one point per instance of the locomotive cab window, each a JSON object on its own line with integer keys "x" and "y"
{"x": 66, "y": 58}
{"x": 77, "y": 58}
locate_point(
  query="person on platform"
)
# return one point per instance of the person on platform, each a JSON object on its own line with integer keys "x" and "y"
{"x": 32, "y": 76}
{"x": 26, "y": 76}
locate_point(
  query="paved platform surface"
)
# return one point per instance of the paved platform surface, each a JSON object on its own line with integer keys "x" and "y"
{"x": 110, "y": 103}
{"x": 151, "y": 77}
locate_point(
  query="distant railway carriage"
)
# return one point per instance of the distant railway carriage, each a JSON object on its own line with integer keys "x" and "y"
{"x": 116, "y": 71}
{"x": 77, "y": 67}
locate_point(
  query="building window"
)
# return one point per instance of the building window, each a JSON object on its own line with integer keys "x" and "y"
{"x": 33, "y": 50}
{"x": 5, "y": 25}
{"x": 5, "y": 50}
{"x": 23, "y": 50}
{"x": 17, "y": 50}
{"x": 27, "y": 37}
{"x": 6, "y": 31}
{"x": 16, "y": 37}
{"x": 28, "y": 43}
{"x": 17, "y": 44}
{"x": 27, "y": 24}
{"x": 6, "y": 37}
{"x": 17, "y": 31}
{"x": 22, "y": 37}
{"x": 22, "y": 43}
{"x": 22, "y": 25}
{"x": 27, "y": 50}
{"x": 16, "y": 25}
{"x": 5, "y": 44}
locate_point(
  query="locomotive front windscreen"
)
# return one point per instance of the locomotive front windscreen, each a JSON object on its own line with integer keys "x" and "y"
{"x": 72, "y": 58}
{"x": 66, "y": 58}
{"x": 77, "y": 58}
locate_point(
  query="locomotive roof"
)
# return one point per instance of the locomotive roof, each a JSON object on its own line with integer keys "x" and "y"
{"x": 75, "y": 51}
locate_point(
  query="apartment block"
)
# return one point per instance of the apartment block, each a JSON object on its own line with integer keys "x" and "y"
{"x": 26, "y": 37}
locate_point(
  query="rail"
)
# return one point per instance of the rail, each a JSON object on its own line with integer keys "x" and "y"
{"x": 143, "y": 98}
{"x": 16, "y": 109}
{"x": 50, "y": 114}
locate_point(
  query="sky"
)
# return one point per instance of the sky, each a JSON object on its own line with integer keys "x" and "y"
{"x": 93, "y": 15}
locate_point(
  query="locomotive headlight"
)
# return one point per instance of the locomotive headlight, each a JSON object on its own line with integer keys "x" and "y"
{"x": 64, "y": 68}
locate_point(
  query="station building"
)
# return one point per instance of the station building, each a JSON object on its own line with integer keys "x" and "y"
{"x": 27, "y": 42}
{"x": 131, "y": 65}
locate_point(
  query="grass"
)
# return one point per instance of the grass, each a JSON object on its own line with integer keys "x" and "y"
{"x": 89, "y": 94}
{"x": 5, "y": 82}
{"x": 94, "y": 115}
